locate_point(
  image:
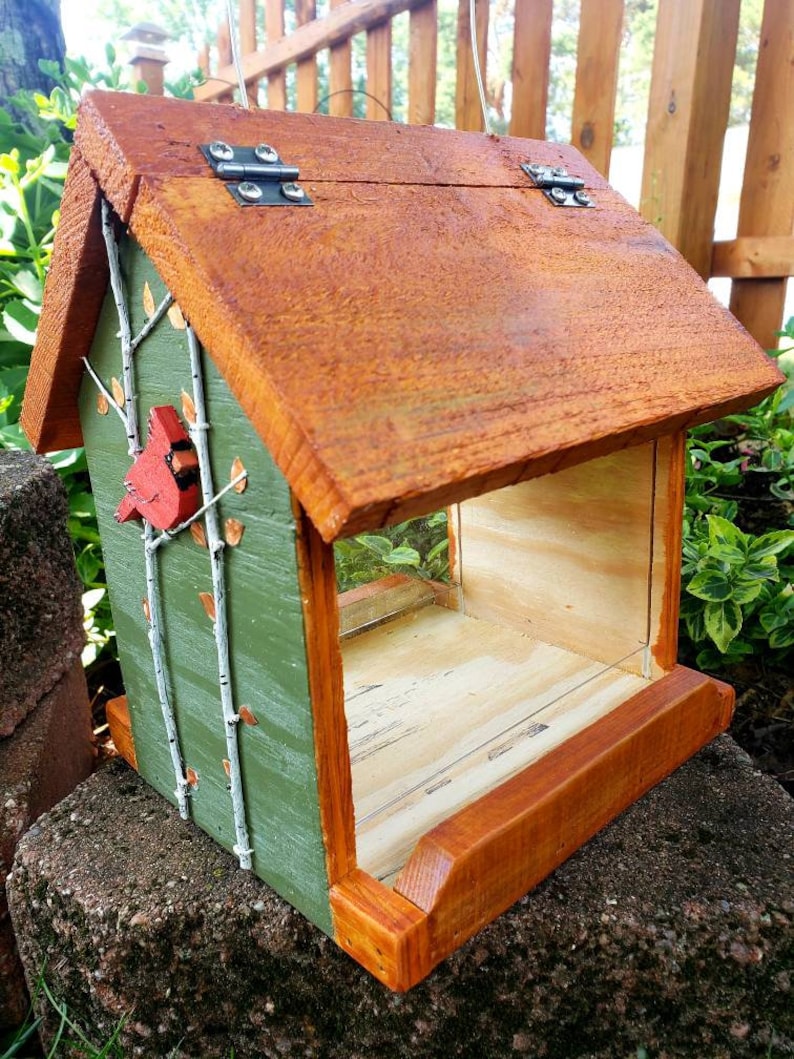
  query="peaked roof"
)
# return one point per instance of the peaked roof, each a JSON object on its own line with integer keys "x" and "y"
{"x": 431, "y": 329}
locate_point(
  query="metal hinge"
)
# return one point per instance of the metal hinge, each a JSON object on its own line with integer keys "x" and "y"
{"x": 558, "y": 185}
{"x": 256, "y": 175}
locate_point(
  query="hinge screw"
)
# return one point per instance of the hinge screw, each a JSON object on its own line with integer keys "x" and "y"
{"x": 582, "y": 198}
{"x": 535, "y": 168}
{"x": 265, "y": 153}
{"x": 559, "y": 194}
{"x": 293, "y": 192}
{"x": 559, "y": 170}
{"x": 221, "y": 151}
{"x": 248, "y": 191}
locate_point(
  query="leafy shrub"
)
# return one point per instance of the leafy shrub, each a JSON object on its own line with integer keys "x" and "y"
{"x": 419, "y": 547}
{"x": 738, "y": 598}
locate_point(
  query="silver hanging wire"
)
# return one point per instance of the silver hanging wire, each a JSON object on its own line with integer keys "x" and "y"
{"x": 475, "y": 54}
{"x": 238, "y": 65}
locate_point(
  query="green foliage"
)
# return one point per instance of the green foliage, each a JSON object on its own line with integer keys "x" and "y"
{"x": 32, "y": 172}
{"x": 68, "y": 1038}
{"x": 419, "y": 547}
{"x": 738, "y": 596}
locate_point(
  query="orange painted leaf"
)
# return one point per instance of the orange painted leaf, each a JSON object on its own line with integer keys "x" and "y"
{"x": 237, "y": 469}
{"x": 176, "y": 318}
{"x": 192, "y": 777}
{"x": 147, "y": 612}
{"x": 208, "y": 603}
{"x": 102, "y": 404}
{"x": 227, "y": 767}
{"x": 148, "y": 300}
{"x": 198, "y": 534}
{"x": 188, "y": 408}
{"x": 118, "y": 392}
{"x": 234, "y": 532}
{"x": 247, "y": 716}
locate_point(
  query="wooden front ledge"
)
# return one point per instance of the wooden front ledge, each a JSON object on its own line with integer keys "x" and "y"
{"x": 473, "y": 866}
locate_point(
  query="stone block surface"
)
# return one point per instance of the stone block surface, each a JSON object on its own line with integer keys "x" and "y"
{"x": 45, "y": 759}
{"x": 41, "y": 616}
{"x": 673, "y": 931}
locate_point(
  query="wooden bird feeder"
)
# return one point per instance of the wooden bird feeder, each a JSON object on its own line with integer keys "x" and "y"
{"x": 370, "y": 323}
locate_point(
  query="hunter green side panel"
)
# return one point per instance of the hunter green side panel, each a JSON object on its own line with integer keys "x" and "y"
{"x": 266, "y": 631}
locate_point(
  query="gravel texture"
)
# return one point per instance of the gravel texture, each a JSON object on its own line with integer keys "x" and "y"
{"x": 41, "y": 616}
{"x": 672, "y": 931}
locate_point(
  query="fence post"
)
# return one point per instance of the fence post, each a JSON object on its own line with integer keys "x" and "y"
{"x": 276, "y": 81}
{"x": 531, "y": 57}
{"x": 600, "y": 29}
{"x": 767, "y": 202}
{"x": 687, "y": 118}
{"x": 148, "y": 59}
{"x": 468, "y": 114}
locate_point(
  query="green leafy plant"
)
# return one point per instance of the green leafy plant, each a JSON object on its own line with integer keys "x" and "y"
{"x": 419, "y": 547}
{"x": 737, "y": 597}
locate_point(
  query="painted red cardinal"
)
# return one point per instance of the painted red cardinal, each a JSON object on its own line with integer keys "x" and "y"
{"x": 162, "y": 484}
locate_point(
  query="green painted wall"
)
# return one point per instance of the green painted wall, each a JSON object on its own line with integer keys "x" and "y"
{"x": 268, "y": 648}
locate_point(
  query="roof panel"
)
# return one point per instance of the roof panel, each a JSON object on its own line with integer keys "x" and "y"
{"x": 432, "y": 327}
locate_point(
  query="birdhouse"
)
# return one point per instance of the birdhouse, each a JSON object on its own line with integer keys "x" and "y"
{"x": 280, "y": 334}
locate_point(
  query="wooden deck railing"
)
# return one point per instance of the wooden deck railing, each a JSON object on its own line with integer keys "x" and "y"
{"x": 694, "y": 54}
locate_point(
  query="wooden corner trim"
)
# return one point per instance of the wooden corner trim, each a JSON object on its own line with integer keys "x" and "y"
{"x": 381, "y": 930}
{"x": 474, "y": 865}
{"x": 118, "y": 716}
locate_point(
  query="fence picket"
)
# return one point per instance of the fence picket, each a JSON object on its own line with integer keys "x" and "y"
{"x": 468, "y": 113}
{"x": 277, "y": 79}
{"x": 306, "y": 75}
{"x": 340, "y": 82}
{"x": 600, "y": 29}
{"x": 767, "y": 202}
{"x": 423, "y": 49}
{"x": 531, "y": 57}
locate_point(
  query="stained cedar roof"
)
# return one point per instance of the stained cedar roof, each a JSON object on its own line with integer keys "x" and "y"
{"x": 431, "y": 329}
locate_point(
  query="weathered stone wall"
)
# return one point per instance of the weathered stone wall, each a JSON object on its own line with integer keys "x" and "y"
{"x": 673, "y": 931}
{"x": 45, "y": 721}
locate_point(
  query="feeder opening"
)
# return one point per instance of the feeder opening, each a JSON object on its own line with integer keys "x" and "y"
{"x": 543, "y": 626}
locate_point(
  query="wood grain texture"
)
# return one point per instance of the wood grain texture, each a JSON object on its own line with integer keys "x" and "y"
{"x": 340, "y": 82}
{"x": 566, "y": 558}
{"x": 442, "y": 707}
{"x": 306, "y": 72}
{"x": 600, "y": 32}
{"x": 767, "y": 205}
{"x": 363, "y": 438}
{"x": 475, "y": 864}
{"x": 531, "y": 57}
{"x": 73, "y": 296}
{"x": 667, "y": 531}
{"x": 269, "y": 668}
{"x": 308, "y": 39}
{"x": 422, "y": 64}
{"x": 765, "y": 257}
{"x": 379, "y": 85}
{"x": 688, "y": 114}
{"x": 468, "y": 110}
{"x": 118, "y": 718}
{"x": 317, "y": 580}
{"x": 276, "y": 78}
{"x": 381, "y": 930}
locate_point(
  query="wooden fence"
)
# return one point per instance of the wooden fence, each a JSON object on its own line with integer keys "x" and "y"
{"x": 693, "y": 61}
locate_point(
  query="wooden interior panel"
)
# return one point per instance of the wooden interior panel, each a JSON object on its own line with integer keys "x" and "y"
{"x": 567, "y": 558}
{"x": 442, "y": 707}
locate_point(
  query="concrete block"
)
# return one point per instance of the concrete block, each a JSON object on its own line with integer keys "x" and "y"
{"x": 41, "y": 617}
{"x": 673, "y": 930}
{"x": 45, "y": 759}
